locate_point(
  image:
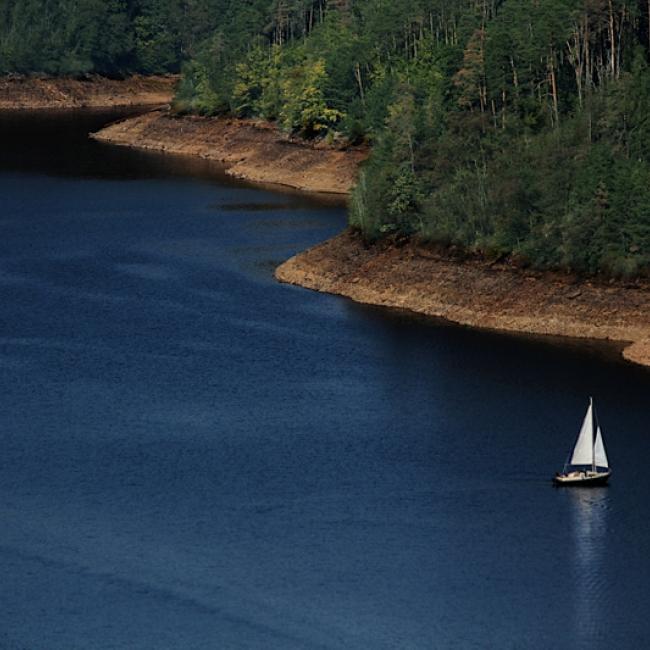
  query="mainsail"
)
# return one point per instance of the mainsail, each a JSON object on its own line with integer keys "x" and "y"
{"x": 583, "y": 452}
{"x": 590, "y": 449}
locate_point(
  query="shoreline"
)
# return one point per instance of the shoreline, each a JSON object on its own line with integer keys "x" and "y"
{"x": 476, "y": 294}
{"x": 249, "y": 149}
{"x": 412, "y": 276}
{"x": 41, "y": 93}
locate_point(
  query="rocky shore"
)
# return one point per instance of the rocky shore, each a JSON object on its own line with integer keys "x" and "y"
{"x": 18, "y": 92}
{"x": 476, "y": 293}
{"x": 409, "y": 275}
{"x": 249, "y": 149}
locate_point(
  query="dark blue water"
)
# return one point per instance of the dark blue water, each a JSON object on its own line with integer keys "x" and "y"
{"x": 195, "y": 457}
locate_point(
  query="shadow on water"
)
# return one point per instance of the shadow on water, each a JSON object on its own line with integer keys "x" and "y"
{"x": 596, "y": 362}
{"x": 56, "y": 142}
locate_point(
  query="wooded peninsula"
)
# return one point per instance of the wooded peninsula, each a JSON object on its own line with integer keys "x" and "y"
{"x": 512, "y": 128}
{"x": 516, "y": 132}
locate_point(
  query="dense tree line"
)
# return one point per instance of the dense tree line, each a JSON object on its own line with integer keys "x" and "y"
{"x": 111, "y": 37}
{"x": 515, "y": 128}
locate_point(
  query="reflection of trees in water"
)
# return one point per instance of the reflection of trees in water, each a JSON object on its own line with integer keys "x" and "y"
{"x": 590, "y": 509}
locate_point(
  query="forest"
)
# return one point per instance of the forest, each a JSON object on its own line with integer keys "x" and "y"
{"x": 511, "y": 129}
{"x": 108, "y": 37}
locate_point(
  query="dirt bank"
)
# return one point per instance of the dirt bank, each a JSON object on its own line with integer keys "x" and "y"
{"x": 476, "y": 293}
{"x": 249, "y": 149}
{"x": 98, "y": 92}
{"x": 411, "y": 276}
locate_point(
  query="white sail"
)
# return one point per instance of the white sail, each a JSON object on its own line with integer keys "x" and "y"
{"x": 583, "y": 452}
{"x": 599, "y": 451}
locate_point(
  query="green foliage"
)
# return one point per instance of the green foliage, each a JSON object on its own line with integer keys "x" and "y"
{"x": 508, "y": 127}
{"x": 258, "y": 86}
{"x": 112, "y": 37}
{"x": 304, "y": 108}
{"x": 511, "y": 127}
{"x": 158, "y": 44}
{"x": 537, "y": 148}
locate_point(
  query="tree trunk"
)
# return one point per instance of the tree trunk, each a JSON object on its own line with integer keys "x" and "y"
{"x": 576, "y": 56}
{"x": 587, "y": 56}
{"x": 357, "y": 74}
{"x": 556, "y": 111}
{"x": 612, "y": 40}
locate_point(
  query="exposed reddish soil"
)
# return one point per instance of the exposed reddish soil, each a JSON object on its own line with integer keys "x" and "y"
{"x": 495, "y": 296}
{"x": 17, "y": 92}
{"x": 249, "y": 149}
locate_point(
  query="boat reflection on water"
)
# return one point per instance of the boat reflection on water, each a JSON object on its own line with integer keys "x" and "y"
{"x": 590, "y": 510}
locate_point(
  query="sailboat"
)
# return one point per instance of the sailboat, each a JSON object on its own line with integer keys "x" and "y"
{"x": 587, "y": 464}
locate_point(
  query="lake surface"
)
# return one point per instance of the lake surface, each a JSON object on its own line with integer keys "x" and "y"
{"x": 193, "y": 456}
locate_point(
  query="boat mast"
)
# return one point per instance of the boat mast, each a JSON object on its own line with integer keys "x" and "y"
{"x": 594, "y": 431}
